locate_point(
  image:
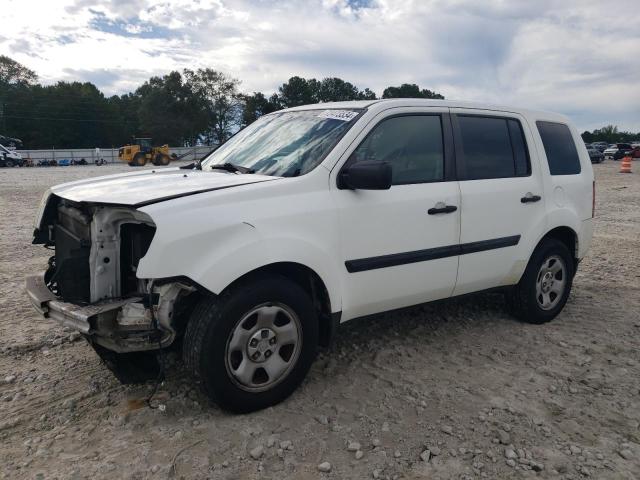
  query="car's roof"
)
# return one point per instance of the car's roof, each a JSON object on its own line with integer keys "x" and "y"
{"x": 383, "y": 104}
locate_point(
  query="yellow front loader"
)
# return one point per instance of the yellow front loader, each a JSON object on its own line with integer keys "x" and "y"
{"x": 142, "y": 151}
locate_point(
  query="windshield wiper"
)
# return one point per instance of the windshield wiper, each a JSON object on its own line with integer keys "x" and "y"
{"x": 230, "y": 167}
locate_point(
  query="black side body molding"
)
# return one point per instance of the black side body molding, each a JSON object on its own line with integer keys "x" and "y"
{"x": 395, "y": 259}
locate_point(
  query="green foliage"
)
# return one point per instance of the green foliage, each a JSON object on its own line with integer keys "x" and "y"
{"x": 300, "y": 91}
{"x": 609, "y": 134}
{"x": 412, "y": 90}
{"x": 14, "y": 73}
{"x": 201, "y": 106}
{"x": 169, "y": 112}
{"x": 222, "y": 101}
{"x": 256, "y": 105}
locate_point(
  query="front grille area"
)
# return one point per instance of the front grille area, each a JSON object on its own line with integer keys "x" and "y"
{"x": 70, "y": 278}
{"x": 135, "y": 240}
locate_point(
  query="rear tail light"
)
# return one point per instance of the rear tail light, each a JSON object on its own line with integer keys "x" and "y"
{"x": 593, "y": 201}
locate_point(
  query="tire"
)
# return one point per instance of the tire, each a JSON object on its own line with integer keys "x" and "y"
{"x": 139, "y": 160}
{"x": 161, "y": 160}
{"x": 222, "y": 332}
{"x": 8, "y": 163}
{"x": 528, "y": 298}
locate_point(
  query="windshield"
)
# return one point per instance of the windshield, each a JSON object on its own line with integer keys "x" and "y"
{"x": 284, "y": 144}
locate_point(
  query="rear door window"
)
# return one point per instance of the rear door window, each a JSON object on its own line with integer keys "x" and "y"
{"x": 562, "y": 155}
{"x": 490, "y": 147}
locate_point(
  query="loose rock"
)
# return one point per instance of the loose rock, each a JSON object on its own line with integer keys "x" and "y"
{"x": 257, "y": 452}
{"x": 626, "y": 454}
{"x": 324, "y": 467}
{"x": 510, "y": 453}
{"x": 353, "y": 446}
{"x": 286, "y": 445}
{"x": 504, "y": 437}
{"x": 448, "y": 429}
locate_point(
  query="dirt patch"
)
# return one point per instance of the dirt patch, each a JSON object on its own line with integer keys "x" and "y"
{"x": 453, "y": 390}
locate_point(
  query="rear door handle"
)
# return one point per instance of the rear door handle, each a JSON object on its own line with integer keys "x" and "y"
{"x": 530, "y": 198}
{"x": 442, "y": 208}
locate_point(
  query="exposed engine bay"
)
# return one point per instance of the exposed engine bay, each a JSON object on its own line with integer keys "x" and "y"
{"x": 91, "y": 283}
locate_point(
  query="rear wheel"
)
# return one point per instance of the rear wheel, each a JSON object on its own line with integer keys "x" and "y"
{"x": 139, "y": 160}
{"x": 545, "y": 286}
{"x": 8, "y": 162}
{"x": 253, "y": 345}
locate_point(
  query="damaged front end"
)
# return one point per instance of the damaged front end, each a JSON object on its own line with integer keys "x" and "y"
{"x": 91, "y": 285}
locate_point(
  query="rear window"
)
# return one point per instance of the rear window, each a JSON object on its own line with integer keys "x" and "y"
{"x": 562, "y": 155}
{"x": 492, "y": 147}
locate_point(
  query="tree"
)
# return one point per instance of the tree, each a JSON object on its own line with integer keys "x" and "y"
{"x": 256, "y": 105}
{"x": 170, "y": 111}
{"x": 222, "y": 98}
{"x": 367, "y": 94}
{"x": 409, "y": 90}
{"x": 297, "y": 91}
{"x": 609, "y": 134}
{"x": 12, "y": 72}
{"x": 13, "y": 76}
{"x": 300, "y": 91}
{"x": 336, "y": 90}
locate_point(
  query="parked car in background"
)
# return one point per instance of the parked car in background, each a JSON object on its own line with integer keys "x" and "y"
{"x": 602, "y": 146}
{"x": 595, "y": 155}
{"x": 9, "y": 158}
{"x": 610, "y": 151}
{"x": 310, "y": 217}
{"x": 64, "y": 162}
{"x": 624, "y": 149}
{"x": 635, "y": 152}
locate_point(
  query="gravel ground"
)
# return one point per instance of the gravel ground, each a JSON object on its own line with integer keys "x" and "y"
{"x": 453, "y": 390}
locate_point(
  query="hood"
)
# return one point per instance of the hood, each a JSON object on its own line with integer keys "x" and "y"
{"x": 137, "y": 189}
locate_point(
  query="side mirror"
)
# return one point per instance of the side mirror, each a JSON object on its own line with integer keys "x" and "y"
{"x": 366, "y": 175}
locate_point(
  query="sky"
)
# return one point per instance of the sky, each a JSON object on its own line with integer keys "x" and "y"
{"x": 577, "y": 57}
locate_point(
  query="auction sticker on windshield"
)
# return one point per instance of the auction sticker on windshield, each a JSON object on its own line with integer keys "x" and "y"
{"x": 344, "y": 115}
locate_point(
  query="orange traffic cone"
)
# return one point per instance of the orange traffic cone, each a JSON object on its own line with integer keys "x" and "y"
{"x": 625, "y": 166}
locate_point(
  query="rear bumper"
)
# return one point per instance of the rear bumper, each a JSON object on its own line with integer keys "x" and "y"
{"x": 584, "y": 238}
{"x": 83, "y": 318}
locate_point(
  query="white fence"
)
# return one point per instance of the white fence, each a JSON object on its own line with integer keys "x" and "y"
{"x": 109, "y": 155}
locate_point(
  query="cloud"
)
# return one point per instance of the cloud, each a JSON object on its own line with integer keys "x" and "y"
{"x": 572, "y": 56}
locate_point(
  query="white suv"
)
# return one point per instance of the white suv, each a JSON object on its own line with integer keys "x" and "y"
{"x": 311, "y": 217}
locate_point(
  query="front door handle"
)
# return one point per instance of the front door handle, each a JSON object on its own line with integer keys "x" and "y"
{"x": 442, "y": 208}
{"x": 530, "y": 198}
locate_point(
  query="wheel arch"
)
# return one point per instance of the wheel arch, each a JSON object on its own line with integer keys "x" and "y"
{"x": 311, "y": 282}
{"x": 567, "y": 236}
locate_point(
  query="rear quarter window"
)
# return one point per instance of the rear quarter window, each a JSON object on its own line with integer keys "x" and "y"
{"x": 562, "y": 155}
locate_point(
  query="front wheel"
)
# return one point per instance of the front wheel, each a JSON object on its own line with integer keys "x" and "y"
{"x": 139, "y": 160}
{"x": 253, "y": 345}
{"x": 161, "y": 160}
{"x": 544, "y": 287}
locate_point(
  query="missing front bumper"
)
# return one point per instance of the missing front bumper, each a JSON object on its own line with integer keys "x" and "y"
{"x": 101, "y": 322}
